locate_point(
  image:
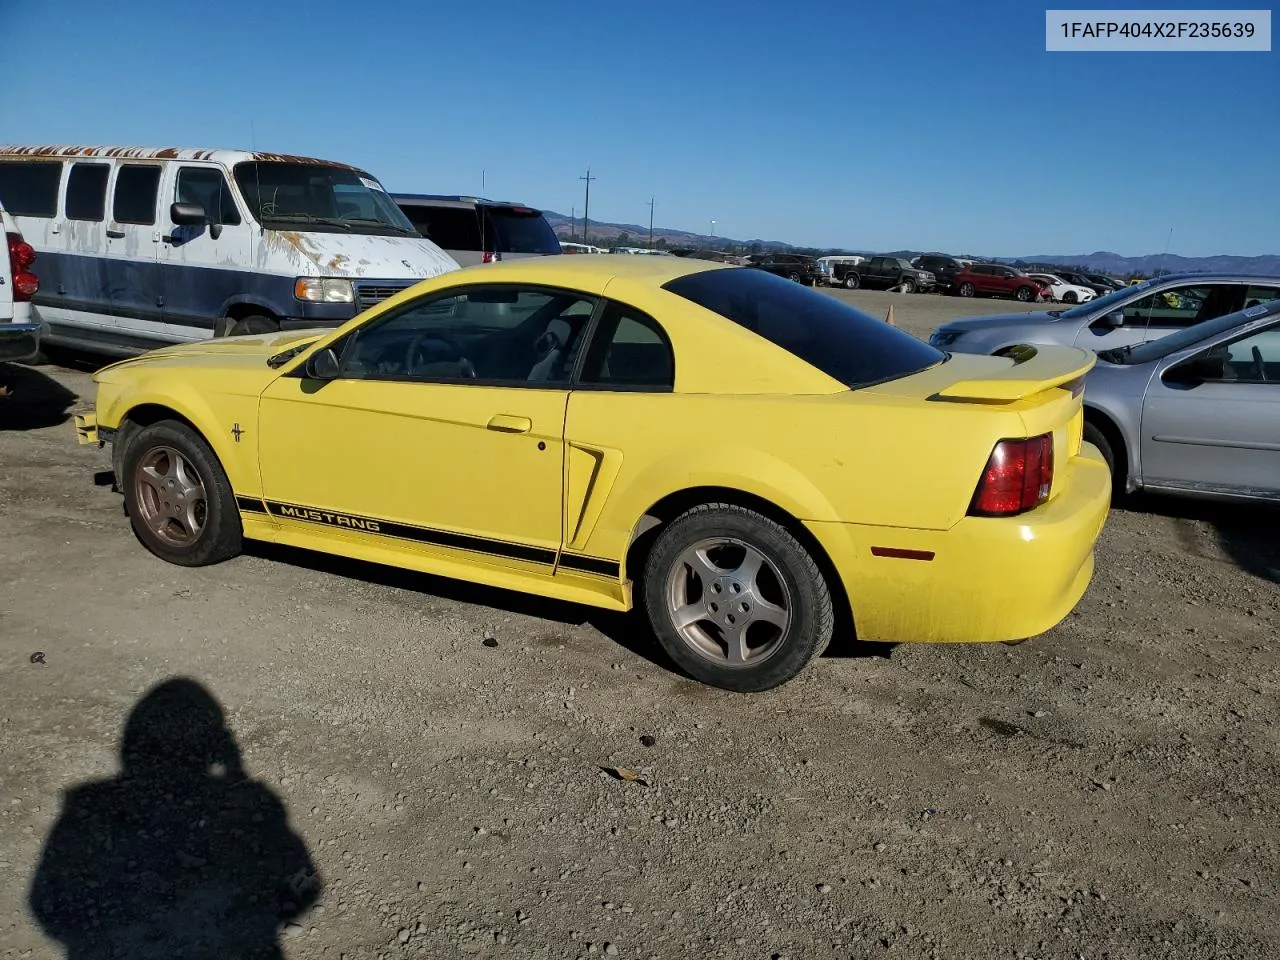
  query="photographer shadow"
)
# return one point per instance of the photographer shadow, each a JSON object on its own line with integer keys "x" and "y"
{"x": 179, "y": 855}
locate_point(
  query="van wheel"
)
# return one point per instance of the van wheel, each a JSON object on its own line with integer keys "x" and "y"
{"x": 247, "y": 326}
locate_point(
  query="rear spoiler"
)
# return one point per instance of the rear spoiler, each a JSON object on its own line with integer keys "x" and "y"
{"x": 1034, "y": 370}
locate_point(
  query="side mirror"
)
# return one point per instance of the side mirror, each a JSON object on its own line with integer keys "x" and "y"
{"x": 188, "y": 214}
{"x": 1198, "y": 369}
{"x": 322, "y": 365}
{"x": 193, "y": 214}
{"x": 1114, "y": 319}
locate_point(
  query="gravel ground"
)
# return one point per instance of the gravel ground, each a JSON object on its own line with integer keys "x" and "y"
{"x": 417, "y": 768}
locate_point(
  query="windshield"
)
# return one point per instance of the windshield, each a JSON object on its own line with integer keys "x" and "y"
{"x": 1104, "y": 304}
{"x": 844, "y": 343}
{"x": 1190, "y": 336}
{"x": 317, "y": 197}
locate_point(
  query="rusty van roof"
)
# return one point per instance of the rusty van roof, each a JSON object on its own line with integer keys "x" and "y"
{"x": 225, "y": 157}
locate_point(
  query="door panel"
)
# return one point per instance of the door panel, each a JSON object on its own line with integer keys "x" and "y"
{"x": 202, "y": 273}
{"x": 1219, "y": 435}
{"x": 133, "y": 244}
{"x": 481, "y": 461}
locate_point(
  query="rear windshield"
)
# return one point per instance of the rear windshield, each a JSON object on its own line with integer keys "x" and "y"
{"x": 842, "y": 342}
{"x": 505, "y": 229}
{"x": 518, "y": 230}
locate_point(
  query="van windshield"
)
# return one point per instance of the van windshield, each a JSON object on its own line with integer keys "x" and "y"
{"x": 317, "y": 197}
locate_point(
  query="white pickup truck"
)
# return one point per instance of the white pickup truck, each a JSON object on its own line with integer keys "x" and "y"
{"x": 19, "y": 330}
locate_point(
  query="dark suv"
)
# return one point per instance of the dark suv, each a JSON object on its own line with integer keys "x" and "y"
{"x": 943, "y": 268}
{"x": 793, "y": 266}
{"x": 473, "y": 230}
{"x": 883, "y": 273}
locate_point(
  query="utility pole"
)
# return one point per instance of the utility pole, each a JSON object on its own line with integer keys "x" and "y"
{"x": 651, "y": 223}
{"x": 586, "y": 205}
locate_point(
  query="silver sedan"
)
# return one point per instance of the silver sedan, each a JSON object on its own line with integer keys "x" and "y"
{"x": 1147, "y": 311}
{"x": 1196, "y": 412}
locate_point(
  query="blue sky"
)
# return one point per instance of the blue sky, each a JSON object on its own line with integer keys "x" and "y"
{"x": 828, "y": 123}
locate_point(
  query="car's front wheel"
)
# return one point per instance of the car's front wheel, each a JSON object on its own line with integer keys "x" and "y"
{"x": 179, "y": 499}
{"x": 966, "y": 290}
{"x": 1070, "y": 297}
{"x": 908, "y": 286}
{"x": 735, "y": 599}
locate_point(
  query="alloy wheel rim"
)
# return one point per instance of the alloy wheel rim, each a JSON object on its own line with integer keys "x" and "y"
{"x": 728, "y": 602}
{"x": 171, "y": 496}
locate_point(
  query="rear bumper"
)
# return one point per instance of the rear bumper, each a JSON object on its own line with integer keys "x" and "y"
{"x": 19, "y": 341}
{"x": 985, "y": 579}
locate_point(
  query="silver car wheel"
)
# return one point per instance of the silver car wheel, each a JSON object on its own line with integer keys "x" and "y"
{"x": 728, "y": 602}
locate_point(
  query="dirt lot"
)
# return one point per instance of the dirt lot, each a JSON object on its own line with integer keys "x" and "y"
{"x": 414, "y": 767}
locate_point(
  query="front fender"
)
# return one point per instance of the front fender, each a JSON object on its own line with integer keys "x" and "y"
{"x": 214, "y": 415}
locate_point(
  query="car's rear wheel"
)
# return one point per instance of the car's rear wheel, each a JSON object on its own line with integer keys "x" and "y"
{"x": 966, "y": 290}
{"x": 1069, "y": 297}
{"x": 851, "y": 281}
{"x": 1094, "y": 434}
{"x": 735, "y": 599}
{"x": 179, "y": 499}
{"x": 1025, "y": 294}
{"x": 793, "y": 277}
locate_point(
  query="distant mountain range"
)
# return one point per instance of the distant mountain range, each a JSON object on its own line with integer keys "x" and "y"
{"x": 636, "y": 234}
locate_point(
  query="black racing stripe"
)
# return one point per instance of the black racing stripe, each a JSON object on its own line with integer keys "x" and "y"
{"x": 250, "y": 504}
{"x": 607, "y": 568}
{"x": 403, "y": 531}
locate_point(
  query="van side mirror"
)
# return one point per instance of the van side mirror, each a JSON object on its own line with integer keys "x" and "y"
{"x": 193, "y": 214}
{"x": 322, "y": 365}
{"x": 188, "y": 214}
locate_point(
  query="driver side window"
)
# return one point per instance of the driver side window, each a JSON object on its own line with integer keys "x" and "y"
{"x": 1253, "y": 359}
{"x": 499, "y": 335}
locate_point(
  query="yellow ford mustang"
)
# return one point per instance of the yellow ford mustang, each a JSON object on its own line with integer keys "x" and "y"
{"x": 754, "y": 462}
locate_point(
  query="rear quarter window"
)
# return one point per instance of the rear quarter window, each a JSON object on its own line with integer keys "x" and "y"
{"x": 841, "y": 341}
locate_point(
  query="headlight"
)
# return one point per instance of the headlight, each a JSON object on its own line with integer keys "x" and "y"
{"x": 323, "y": 290}
{"x": 943, "y": 338}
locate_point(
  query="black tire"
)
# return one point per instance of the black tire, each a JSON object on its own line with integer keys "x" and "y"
{"x": 1092, "y": 434}
{"x": 220, "y": 536}
{"x": 1070, "y": 297}
{"x": 852, "y": 281}
{"x": 812, "y": 616}
{"x": 1025, "y": 294}
{"x": 255, "y": 324}
{"x": 908, "y": 286}
{"x": 793, "y": 277}
{"x": 966, "y": 290}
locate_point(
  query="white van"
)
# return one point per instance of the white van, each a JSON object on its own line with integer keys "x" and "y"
{"x": 141, "y": 247}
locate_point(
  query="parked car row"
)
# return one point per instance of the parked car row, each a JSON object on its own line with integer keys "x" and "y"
{"x": 1185, "y": 396}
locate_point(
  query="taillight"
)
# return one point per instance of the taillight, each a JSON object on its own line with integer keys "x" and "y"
{"x": 1017, "y": 478}
{"x": 21, "y": 256}
{"x": 490, "y": 257}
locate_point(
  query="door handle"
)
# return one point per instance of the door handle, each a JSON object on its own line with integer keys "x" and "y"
{"x": 505, "y": 423}
{"x": 115, "y": 234}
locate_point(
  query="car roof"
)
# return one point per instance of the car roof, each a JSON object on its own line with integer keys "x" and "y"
{"x": 600, "y": 267}
{"x": 452, "y": 200}
{"x": 214, "y": 155}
